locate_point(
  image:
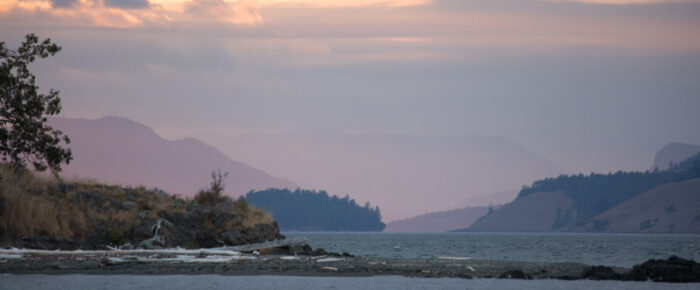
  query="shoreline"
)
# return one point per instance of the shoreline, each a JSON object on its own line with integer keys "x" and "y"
{"x": 318, "y": 263}
{"x": 239, "y": 264}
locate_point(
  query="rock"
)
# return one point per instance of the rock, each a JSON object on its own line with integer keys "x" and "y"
{"x": 515, "y": 274}
{"x": 127, "y": 205}
{"x": 261, "y": 233}
{"x": 144, "y": 214}
{"x": 601, "y": 273}
{"x": 319, "y": 252}
{"x": 177, "y": 203}
{"x": 233, "y": 238}
{"x": 674, "y": 269}
{"x": 193, "y": 206}
{"x": 304, "y": 249}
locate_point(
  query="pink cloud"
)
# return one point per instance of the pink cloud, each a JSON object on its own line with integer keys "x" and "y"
{"x": 98, "y": 13}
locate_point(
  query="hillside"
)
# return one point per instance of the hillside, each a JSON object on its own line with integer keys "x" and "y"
{"x": 533, "y": 213}
{"x": 306, "y": 210}
{"x": 439, "y": 221}
{"x": 501, "y": 197}
{"x": 673, "y": 153}
{"x": 45, "y": 213}
{"x": 121, "y": 151}
{"x": 426, "y": 173}
{"x": 568, "y": 203}
{"x": 669, "y": 208}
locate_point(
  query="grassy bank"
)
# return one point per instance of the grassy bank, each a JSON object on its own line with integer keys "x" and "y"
{"x": 34, "y": 206}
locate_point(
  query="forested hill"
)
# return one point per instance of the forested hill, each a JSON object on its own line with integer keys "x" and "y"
{"x": 307, "y": 210}
{"x": 595, "y": 193}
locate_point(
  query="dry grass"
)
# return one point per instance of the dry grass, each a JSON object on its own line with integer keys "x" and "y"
{"x": 28, "y": 210}
{"x": 255, "y": 216}
{"x": 252, "y": 216}
{"x": 33, "y": 205}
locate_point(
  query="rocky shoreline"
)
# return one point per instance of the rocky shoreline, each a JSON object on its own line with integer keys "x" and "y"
{"x": 320, "y": 263}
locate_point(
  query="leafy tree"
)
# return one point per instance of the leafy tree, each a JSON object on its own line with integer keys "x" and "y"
{"x": 25, "y": 138}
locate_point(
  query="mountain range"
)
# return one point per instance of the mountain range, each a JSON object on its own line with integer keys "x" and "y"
{"x": 442, "y": 221}
{"x": 120, "y": 151}
{"x": 404, "y": 174}
{"x": 659, "y": 201}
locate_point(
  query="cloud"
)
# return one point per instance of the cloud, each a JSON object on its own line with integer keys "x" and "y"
{"x": 63, "y": 3}
{"x": 450, "y": 67}
{"x": 127, "y": 4}
{"x": 128, "y": 13}
{"x": 245, "y": 13}
{"x": 343, "y": 3}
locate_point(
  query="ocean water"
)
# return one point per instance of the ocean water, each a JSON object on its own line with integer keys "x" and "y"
{"x": 624, "y": 250}
{"x": 195, "y": 282}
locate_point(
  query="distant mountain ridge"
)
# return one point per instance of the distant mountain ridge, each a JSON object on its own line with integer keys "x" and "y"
{"x": 427, "y": 173}
{"x": 119, "y": 150}
{"x": 624, "y": 201}
{"x": 673, "y": 153}
{"x": 442, "y": 221}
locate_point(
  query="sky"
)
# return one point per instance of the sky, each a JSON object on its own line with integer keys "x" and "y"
{"x": 595, "y": 85}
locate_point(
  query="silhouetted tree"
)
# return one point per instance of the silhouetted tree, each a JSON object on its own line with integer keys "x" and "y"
{"x": 25, "y": 138}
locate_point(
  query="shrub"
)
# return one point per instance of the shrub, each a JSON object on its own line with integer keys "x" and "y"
{"x": 215, "y": 193}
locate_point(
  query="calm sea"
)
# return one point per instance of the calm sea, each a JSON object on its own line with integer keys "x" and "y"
{"x": 623, "y": 250}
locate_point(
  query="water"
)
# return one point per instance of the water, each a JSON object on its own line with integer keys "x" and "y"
{"x": 600, "y": 249}
{"x": 194, "y": 282}
{"x": 624, "y": 250}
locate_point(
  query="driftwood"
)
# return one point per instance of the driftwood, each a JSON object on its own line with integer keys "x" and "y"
{"x": 156, "y": 241}
{"x": 266, "y": 245}
{"x": 222, "y": 251}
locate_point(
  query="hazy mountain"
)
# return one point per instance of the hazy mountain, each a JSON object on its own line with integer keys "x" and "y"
{"x": 673, "y": 153}
{"x": 533, "y": 213}
{"x": 405, "y": 175}
{"x": 501, "y": 197}
{"x": 118, "y": 150}
{"x": 439, "y": 221}
{"x": 658, "y": 201}
{"x": 669, "y": 208}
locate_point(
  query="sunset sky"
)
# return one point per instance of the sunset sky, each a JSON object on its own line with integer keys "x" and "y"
{"x": 595, "y": 85}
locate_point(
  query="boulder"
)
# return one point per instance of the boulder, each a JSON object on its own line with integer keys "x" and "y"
{"x": 674, "y": 269}
{"x": 601, "y": 273}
